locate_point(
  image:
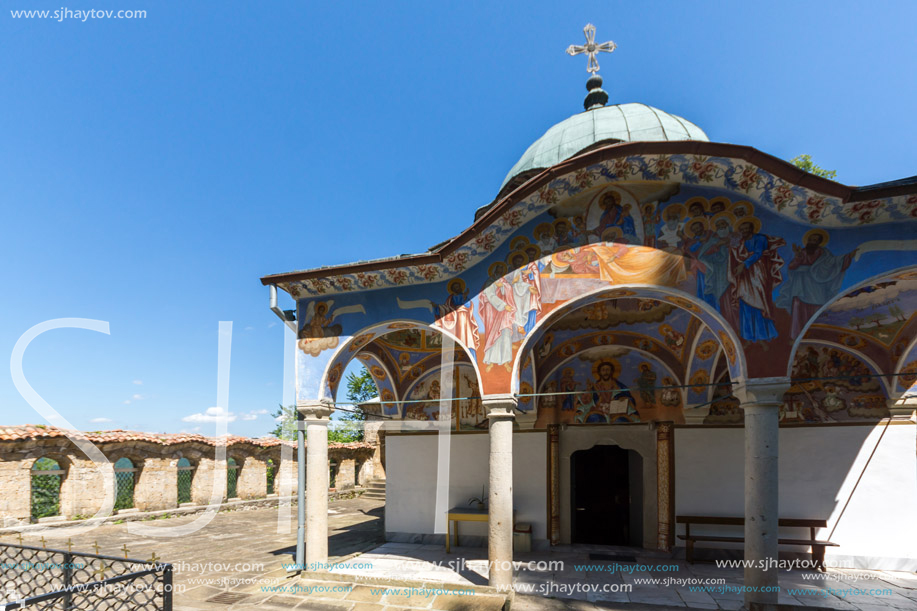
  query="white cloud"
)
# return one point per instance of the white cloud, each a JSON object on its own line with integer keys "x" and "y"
{"x": 127, "y": 402}
{"x": 253, "y": 414}
{"x": 137, "y": 397}
{"x": 213, "y": 414}
{"x": 138, "y": 382}
{"x": 101, "y": 420}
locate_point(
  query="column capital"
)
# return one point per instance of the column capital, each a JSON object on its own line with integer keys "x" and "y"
{"x": 761, "y": 392}
{"x": 903, "y": 408}
{"x": 315, "y": 409}
{"x": 500, "y": 406}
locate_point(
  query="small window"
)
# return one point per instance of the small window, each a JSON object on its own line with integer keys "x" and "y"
{"x": 232, "y": 478}
{"x": 46, "y": 481}
{"x": 125, "y": 480}
{"x": 185, "y": 477}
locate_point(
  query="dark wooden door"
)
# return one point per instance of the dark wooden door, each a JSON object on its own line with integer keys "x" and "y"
{"x": 601, "y": 496}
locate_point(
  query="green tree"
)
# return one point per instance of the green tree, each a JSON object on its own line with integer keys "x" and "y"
{"x": 286, "y": 423}
{"x": 360, "y": 388}
{"x": 804, "y": 162}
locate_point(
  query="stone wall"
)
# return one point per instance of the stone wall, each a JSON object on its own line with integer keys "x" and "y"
{"x": 84, "y": 485}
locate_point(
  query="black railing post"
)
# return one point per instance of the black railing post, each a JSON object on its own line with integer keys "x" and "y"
{"x": 68, "y": 581}
{"x": 167, "y": 587}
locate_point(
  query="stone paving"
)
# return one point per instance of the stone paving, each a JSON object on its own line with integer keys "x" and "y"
{"x": 236, "y": 562}
{"x": 237, "y": 552}
{"x": 605, "y": 581}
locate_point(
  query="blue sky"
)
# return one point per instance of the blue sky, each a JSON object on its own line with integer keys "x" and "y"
{"x": 152, "y": 170}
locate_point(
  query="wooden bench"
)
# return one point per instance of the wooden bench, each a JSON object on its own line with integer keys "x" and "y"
{"x": 818, "y": 546}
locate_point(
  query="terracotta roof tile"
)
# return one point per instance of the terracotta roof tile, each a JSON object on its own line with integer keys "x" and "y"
{"x": 41, "y": 431}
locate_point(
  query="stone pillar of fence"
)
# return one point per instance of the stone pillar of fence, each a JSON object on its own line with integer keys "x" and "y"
{"x": 156, "y": 484}
{"x": 253, "y": 478}
{"x": 203, "y": 481}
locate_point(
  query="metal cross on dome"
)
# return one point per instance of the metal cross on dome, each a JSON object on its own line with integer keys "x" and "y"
{"x": 591, "y": 48}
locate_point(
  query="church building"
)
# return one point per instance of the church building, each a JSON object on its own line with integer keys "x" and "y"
{"x": 643, "y": 324}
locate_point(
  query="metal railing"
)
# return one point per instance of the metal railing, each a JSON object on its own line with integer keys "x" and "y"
{"x": 50, "y": 579}
{"x": 185, "y": 477}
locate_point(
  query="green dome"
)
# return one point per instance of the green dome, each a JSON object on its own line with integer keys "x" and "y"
{"x": 606, "y": 124}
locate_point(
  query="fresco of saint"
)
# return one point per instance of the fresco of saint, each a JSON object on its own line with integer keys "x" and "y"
{"x": 498, "y": 312}
{"x": 533, "y": 277}
{"x": 525, "y": 301}
{"x": 669, "y": 233}
{"x": 713, "y": 261}
{"x": 646, "y": 383}
{"x": 696, "y": 237}
{"x": 610, "y": 396}
{"x": 457, "y": 316}
{"x": 814, "y": 278}
{"x": 615, "y": 215}
{"x": 567, "y": 385}
{"x": 754, "y": 272}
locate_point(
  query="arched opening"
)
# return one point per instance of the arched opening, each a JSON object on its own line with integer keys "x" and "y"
{"x": 46, "y": 478}
{"x": 233, "y": 470}
{"x": 125, "y": 481}
{"x": 626, "y": 359}
{"x": 271, "y": 474}
{"x": 610, "y": 375}
{"x": 857, "y": 354}
{"x": 185, "y": 478}
{"x": 424, "y": 376}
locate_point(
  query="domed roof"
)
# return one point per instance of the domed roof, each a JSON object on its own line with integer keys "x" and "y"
{"x": 618, "y": 123}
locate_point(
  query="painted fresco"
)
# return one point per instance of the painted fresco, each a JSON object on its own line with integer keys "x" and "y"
{"x": 660, "y": 176}
{"x": 610, "y": 384}
{"x": 833, "y": 384}
{"x": 423, "y": 399}
{"x": 749, "y": 277}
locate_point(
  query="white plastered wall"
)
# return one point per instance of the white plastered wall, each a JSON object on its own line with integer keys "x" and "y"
{"x": 410, "y": 507}
{"x": 862, "y": 479}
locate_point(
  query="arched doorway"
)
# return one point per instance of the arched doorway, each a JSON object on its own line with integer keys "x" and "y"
{"x": 125, "y": 482}
{"x": 233, "y": 470}
{"x": 46, "y": 477}
{"x": 607, "y": 496}
{"x": 185, "y": 476}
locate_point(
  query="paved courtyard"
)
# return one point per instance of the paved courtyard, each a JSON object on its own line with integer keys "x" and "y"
{"x": 621, "y": 577}
{"x": 236, "y": 562}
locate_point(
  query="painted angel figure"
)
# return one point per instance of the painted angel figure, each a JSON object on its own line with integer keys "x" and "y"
{"x": 318, "y": 333}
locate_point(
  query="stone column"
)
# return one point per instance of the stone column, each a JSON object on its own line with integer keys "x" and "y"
{"x": 761, "y": 399}
{"x": 500, "y": 412}
{"x": 903, "y": 408}
{"x": 316, "y": 416}
{"x": 665, "y": 485}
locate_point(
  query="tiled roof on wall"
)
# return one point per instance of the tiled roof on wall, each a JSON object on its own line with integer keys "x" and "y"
{"x": 41, "y": 431}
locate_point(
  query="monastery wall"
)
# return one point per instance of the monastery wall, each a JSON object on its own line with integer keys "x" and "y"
{"x": 81, "y": 490}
